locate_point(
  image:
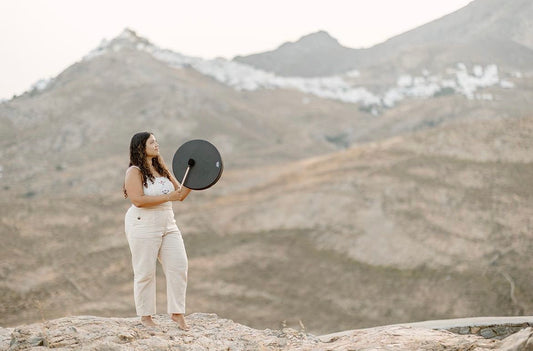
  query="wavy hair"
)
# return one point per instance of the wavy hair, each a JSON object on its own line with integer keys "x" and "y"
{"x": 138, "y": 158}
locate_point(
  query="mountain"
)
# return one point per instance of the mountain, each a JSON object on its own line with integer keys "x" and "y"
{"x": 120, "y": 89}
{"x": 128, "y": 84}
{"x": 409, "y": 192}
{"x": 503, "y": 21}
{"x": 314, "y": 55}
{"x": 483, "y": 32}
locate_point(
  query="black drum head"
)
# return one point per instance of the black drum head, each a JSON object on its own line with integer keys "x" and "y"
{"x": 206, "y": 164}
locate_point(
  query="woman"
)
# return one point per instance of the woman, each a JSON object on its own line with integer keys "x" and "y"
{"x": 151, "y": 230}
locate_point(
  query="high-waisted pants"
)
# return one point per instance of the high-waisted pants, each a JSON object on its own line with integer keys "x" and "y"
{"x": 152, "y": 234}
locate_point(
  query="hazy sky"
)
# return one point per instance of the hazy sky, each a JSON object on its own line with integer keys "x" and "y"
{"x": 40, "y": 38}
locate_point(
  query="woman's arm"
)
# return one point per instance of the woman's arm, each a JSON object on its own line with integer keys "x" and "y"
{"x": 184, "y": 190}
{"x": 134, "y": 189}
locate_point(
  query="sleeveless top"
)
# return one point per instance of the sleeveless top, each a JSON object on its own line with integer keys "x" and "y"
{"x": 159, "y": 186}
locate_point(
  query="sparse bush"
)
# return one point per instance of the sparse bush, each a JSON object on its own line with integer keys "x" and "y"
{"x": 444, "y": 92}
{"x": 30, "y": 194}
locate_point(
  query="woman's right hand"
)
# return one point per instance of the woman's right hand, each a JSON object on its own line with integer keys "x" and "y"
{"x": 174, "y": 195}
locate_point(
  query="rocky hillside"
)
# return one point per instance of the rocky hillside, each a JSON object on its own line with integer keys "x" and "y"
{"x": 430, "y": 226}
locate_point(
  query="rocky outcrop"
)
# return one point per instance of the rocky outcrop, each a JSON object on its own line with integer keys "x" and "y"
{"x": 209, "y": 332}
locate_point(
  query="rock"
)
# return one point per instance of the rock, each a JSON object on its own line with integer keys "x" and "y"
{"x": 464, "y": 330}
{"x": 36, "y": 341}
{"x": 520, "y": 341}
{"x": 127, "y": 336}
{"x": 407, "y": 338}
{"x": 208, "y": 331}
{"x": 487, "y": 333}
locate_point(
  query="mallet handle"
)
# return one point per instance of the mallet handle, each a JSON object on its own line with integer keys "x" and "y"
{"x": 184, "y": 177}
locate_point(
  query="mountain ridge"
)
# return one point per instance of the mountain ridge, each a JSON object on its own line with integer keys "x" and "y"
{"x": 485, "y": 25}
{"x": 373, "y": 92}
{"x": 315, "y": 54}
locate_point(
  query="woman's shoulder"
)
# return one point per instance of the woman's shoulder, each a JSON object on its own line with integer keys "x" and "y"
{"x": 134, "y": 169}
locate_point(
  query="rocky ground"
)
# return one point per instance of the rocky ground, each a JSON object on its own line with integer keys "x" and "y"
{"x": 209, "y": 332}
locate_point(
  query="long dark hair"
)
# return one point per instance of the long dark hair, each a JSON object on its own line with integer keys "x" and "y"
{"x": 138, "y": 158}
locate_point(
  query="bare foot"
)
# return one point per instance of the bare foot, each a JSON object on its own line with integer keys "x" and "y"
{"x": 178, "y": 318}
{"x": 147, "y": 321}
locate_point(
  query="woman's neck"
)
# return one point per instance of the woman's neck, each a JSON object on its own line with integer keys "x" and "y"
{"x": 150, "y": 164}
{"x": 152, "y": 168}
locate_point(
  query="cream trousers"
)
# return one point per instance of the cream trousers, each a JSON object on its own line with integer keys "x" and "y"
{"x": 152, "y": 234}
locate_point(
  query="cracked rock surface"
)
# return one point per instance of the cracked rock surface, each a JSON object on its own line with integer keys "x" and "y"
{"x": 209, "y": 332}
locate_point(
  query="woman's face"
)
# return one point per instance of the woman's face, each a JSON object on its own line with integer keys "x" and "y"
{"x": 152, "y": 147}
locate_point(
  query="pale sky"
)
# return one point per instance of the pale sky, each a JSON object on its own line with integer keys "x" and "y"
{"x": 41, "y": 38}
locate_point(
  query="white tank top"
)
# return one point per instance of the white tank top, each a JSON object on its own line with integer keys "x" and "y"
{"x": 159, "y": 186}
